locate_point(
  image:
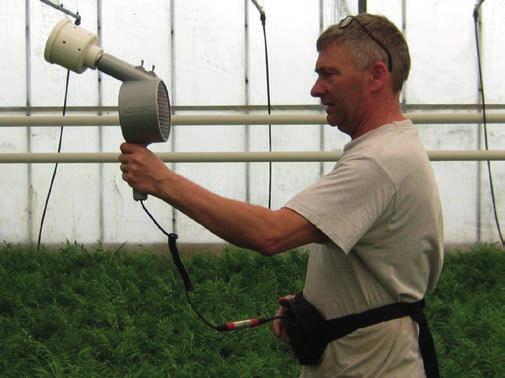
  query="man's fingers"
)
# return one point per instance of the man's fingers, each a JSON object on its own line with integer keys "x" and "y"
{"x": 129, "y": 148}
{"x": 125, "y": 148}
{"x": 284, "y": 300}
{"x": 277, "y": 324}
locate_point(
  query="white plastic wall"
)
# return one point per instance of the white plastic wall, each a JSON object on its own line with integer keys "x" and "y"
{"x": 204, "y": 52}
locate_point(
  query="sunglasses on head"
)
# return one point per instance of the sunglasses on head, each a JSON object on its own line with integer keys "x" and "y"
{"x": 349, "y": 19}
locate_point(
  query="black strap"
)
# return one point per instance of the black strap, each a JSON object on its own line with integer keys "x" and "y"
{"x": 340, "y": 327}
{"x": 426, "y": 344}
{"x": 172, "y": 244}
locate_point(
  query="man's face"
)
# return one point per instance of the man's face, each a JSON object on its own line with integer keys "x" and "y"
{"x": 341, "y": 88}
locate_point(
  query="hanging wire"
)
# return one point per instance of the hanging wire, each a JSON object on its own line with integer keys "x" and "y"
{"x": 484, "y": 118}
{"x": 77, "y": 17}
{"x": 269, "y": 105}
{"x": 230, "y": 326}
{"x": 55, "y": 170}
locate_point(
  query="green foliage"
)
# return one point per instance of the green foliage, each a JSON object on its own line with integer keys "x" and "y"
{"x": 467, "y": 313}
{"x": 98, "y": 313}
{"x": 80, "y": 313}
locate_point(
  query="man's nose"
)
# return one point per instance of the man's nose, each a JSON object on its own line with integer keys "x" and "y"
{"x": 318, "y": 89}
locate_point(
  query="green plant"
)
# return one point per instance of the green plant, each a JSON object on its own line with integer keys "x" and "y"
{"x": 98, "y": 313}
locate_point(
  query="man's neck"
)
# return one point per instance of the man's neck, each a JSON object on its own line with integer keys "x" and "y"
{"x": 386, "y": 113}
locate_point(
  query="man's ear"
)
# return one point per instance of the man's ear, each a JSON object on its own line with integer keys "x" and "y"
{"x": 378, "y": 76}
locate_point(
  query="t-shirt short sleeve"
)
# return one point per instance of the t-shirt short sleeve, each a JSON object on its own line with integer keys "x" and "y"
{"x": 347, "y": 202}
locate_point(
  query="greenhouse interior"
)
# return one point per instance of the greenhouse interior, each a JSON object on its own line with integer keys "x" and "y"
{"x": 235, "y": 102}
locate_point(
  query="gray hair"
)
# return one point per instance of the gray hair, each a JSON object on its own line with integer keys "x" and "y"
{"x": 365, "y": 50}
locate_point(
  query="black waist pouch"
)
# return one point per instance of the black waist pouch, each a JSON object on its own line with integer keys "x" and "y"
{"x": 309, "y": 332}
{"x": 305, "y": 327}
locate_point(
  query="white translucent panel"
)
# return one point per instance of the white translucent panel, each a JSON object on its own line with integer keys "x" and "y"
{"x": 287, "y": 181}
{"x": 14, "y": 177}
{"x": 73, "y": 212}
{"x": 442, "y": 47}
{"x": 217, "y": 60}
{"x": 286, "y": 178}
{"x": 292, "y": 30}
{"x": 74, "y": 207}
{"x": 392, "y": 9}
{"x": 209, "y": 70}
{"x": 335, "y": 10}
{"x": 459, "y": 221}
{"x": 493, "y": 51}
{"x": 209, "y": 52}
{"x": 13, "y": 64}
{"x": 14, "y": 182}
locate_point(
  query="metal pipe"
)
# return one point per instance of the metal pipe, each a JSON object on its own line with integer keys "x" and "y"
{"x": 237, "y": 119}
{"x": 242, "y": 108}
{"x": 233, "y": 157}
{"x": 121, "y": 70}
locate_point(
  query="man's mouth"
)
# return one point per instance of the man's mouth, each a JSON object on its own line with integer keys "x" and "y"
{"x": 328, "y": 106}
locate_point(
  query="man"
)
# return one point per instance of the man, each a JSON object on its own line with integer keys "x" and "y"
{"x": 375, "y": 220}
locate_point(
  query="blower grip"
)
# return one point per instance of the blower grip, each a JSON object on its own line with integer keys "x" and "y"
{"x": 139, "y": 196}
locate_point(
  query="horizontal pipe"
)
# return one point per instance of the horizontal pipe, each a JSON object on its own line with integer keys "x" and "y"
{"x": 239, "y": 119}
{"x": 233, "y": 157}
{"x": 241, "y": 108}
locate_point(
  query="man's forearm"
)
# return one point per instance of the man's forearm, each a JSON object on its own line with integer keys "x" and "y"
{"x": 237, "y": 222}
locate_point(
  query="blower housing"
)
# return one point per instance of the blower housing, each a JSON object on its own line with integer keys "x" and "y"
{"x": 143, "y": 103}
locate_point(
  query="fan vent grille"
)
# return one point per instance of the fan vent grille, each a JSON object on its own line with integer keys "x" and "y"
{"x": 163, "y": 111}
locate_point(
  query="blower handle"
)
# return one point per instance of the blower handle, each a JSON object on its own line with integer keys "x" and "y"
{"x": 139, "y": 196}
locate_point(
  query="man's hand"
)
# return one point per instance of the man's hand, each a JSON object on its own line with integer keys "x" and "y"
{"x": 277, "y": 326}
{"x": 142, "y": 169}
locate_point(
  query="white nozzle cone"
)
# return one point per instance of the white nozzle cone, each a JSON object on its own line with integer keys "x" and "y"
{"x": 72, "y": 47}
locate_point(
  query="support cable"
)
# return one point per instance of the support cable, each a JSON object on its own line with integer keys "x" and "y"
{"x": 476, "y": 15}
{"x": 55, "y": 170}
{"x": 269, "y": 105}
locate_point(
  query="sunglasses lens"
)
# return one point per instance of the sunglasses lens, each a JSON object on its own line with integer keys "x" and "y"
{"x": 346, "y": 21}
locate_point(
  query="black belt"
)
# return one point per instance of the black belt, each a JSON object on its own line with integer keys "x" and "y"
{"x": 343, "y": 326}
{"x": 309, "y": 332}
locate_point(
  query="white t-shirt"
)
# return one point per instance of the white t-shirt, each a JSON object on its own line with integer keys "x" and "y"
{"x": 381, "y": 211}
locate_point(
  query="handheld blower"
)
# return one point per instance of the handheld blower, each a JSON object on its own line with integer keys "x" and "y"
{"x": 144, "y": 104}
{"x": 144, "y": 117}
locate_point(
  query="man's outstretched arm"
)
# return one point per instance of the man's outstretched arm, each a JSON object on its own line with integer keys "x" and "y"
{"x": 249, "y": 226}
